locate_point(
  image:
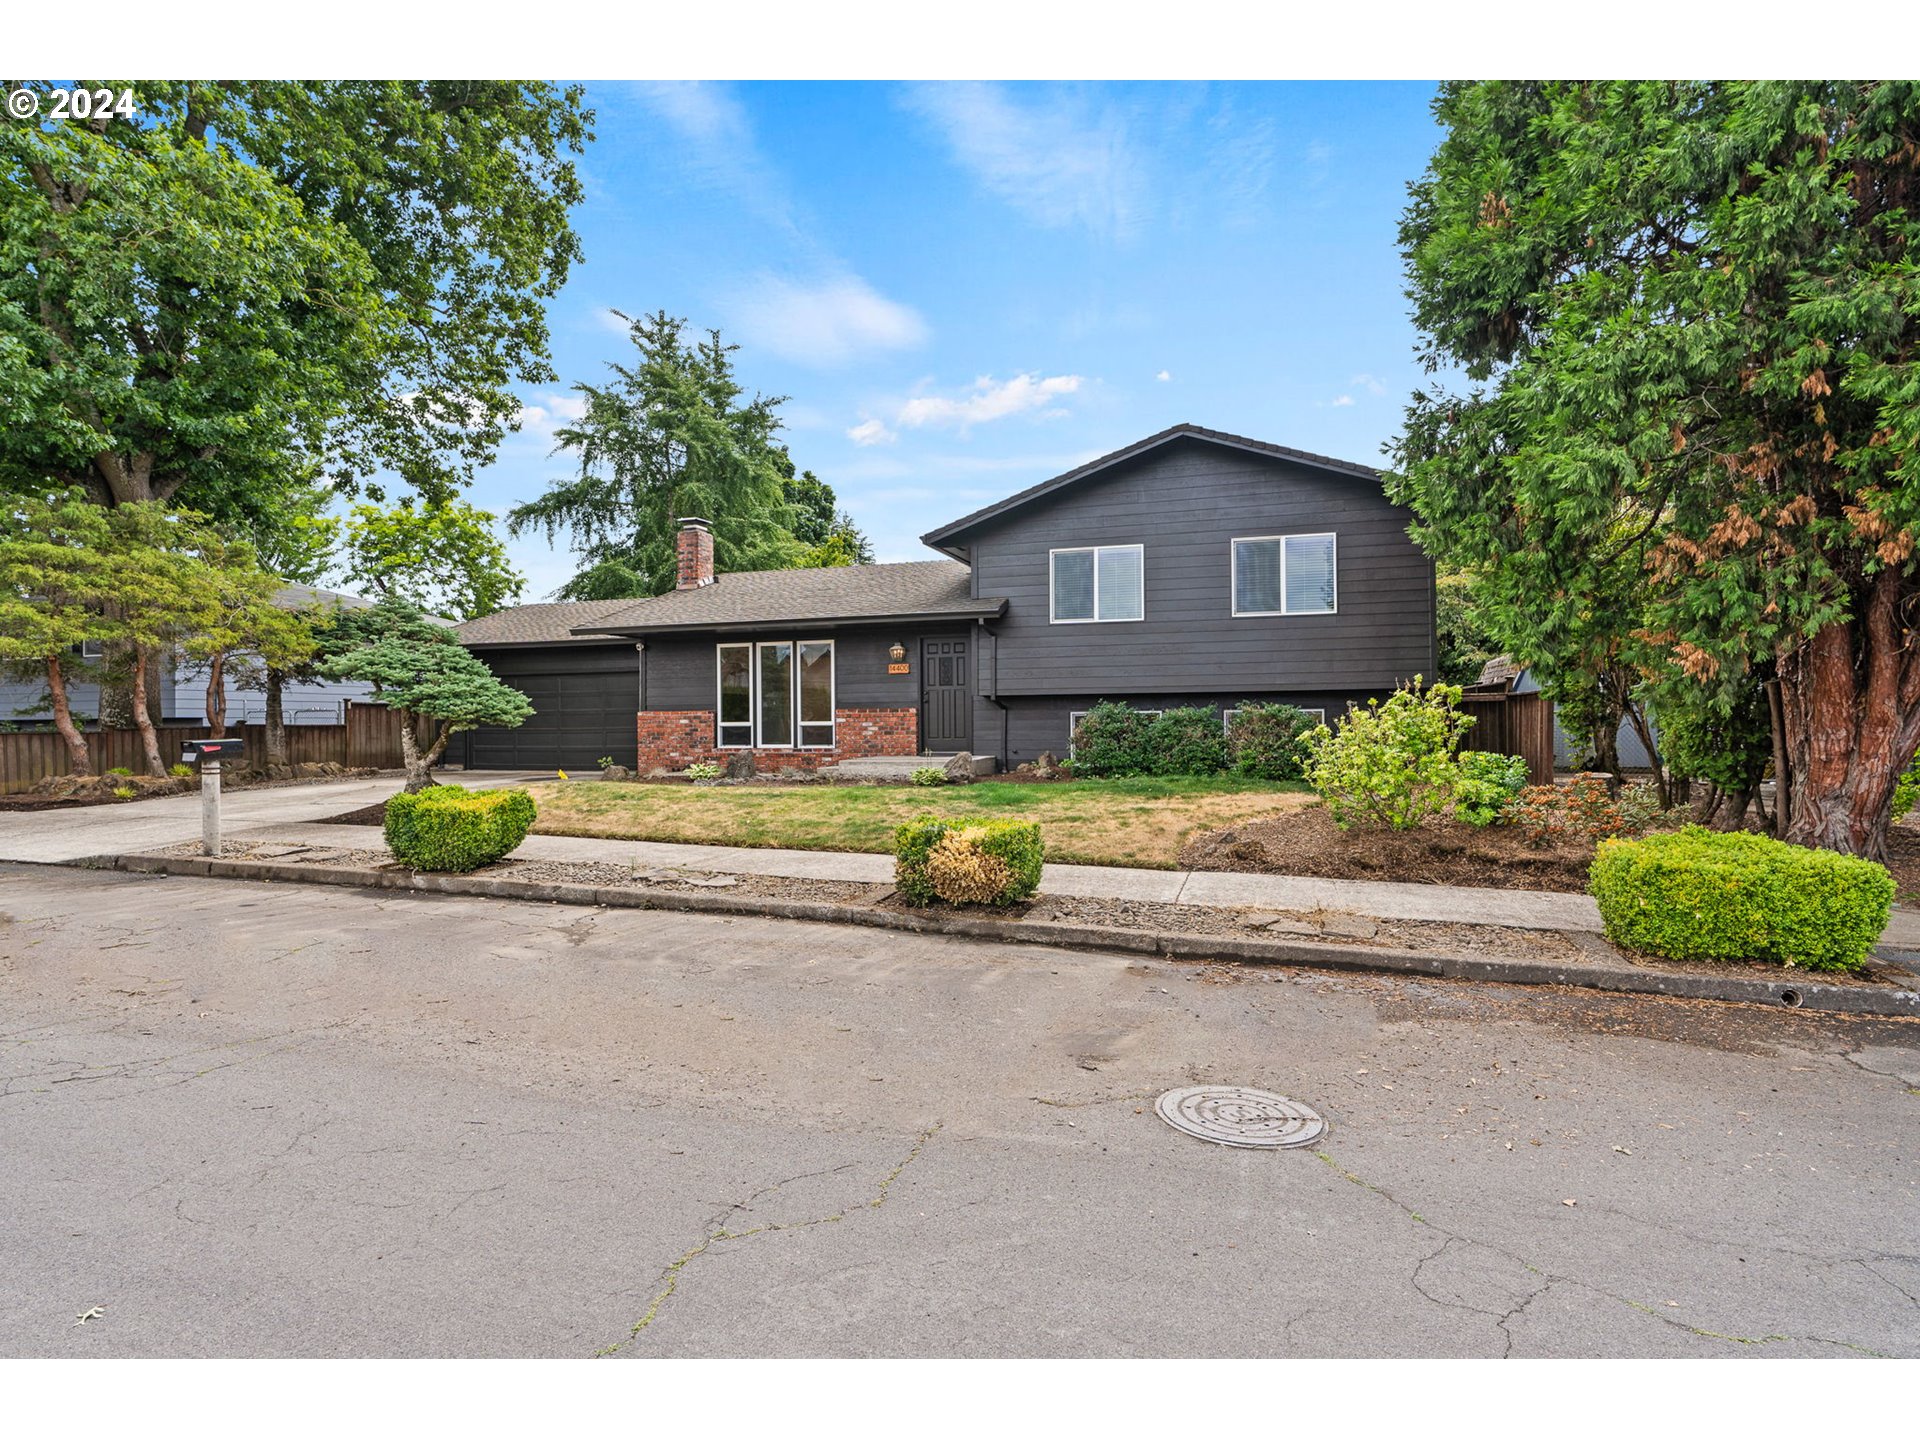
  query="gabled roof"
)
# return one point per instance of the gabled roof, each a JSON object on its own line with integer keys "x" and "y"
{"x": 942, "y": 538}
{"x": 913, "y": 590}
{"x": 546, "y": 624}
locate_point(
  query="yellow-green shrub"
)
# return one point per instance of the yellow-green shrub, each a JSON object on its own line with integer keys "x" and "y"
{"x": 992, "y": 862}
{"x": 448, "y": 827}
{"x": 1701, "y": 895}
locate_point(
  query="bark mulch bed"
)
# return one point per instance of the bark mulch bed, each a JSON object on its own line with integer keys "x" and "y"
{"x": 1903, "y": 860}
{"x": 1307, "y": 842}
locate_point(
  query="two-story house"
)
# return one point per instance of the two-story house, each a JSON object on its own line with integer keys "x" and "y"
{"x": 1191, "y": 568}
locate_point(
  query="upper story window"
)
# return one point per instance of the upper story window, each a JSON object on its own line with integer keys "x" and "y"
{"x": 1098, "y": 582}
{"x": 1284, "y": 575}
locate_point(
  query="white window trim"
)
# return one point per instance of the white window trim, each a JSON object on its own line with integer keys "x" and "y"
{"x": 1094, "y": 619}
{"x": 752, "y": 647}
{"x": 1233, "y": 567}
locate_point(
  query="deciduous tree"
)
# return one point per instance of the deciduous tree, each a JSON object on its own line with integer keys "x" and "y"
{"x": 443, "y": 556}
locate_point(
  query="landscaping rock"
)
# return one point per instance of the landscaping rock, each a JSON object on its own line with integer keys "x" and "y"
{"x": 959, "y": 770}
{"x": 1046, "y": 766}
{"x": 616, "y": 772}
{"x": 1349, "y": 927}
{"x": 740, "y": 765}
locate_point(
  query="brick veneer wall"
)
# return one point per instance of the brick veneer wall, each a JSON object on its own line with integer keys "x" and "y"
{"x": 675, "y": 739}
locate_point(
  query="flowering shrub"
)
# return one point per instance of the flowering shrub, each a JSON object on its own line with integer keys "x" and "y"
{"x": 1581, "y": 808}
{"x": 1391, "y": 764}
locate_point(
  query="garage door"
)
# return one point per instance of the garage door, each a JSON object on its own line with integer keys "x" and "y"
{"x": 584, "y": 701}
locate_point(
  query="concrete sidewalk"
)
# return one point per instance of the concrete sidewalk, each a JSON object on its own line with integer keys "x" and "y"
{"x": 60, "y": 836}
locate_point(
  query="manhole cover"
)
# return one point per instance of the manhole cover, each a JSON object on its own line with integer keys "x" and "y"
{"x": 1235, "y": 1115}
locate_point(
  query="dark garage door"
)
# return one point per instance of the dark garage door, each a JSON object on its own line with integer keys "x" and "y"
{"x": 584, "y": 703}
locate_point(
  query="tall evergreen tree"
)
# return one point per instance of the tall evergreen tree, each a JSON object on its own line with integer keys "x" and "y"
{"x": 671, "y": 435}
{"x": 1687, "y": 316}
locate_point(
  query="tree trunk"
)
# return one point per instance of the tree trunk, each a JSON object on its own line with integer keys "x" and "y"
{"x": 1606, "y": 751}
{"x": 1850, "y": 698}
{"x": 276, "y": 757}
{"x": 1782, "y": 775}
{"x": 142, "y": 721}
{"x": 419, "y": 762}
{"x": 116, "y": 686}
{"x": 79, "y": 757}
{"x": 1637, "y": 717}
{"x": 217, "y": 695}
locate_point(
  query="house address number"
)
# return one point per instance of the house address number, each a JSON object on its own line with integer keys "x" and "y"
{"x": 899, "y": 669}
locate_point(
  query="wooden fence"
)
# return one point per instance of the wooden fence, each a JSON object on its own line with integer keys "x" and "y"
{"x": 370, "y": 739}
{"x": 1513, "y": 725}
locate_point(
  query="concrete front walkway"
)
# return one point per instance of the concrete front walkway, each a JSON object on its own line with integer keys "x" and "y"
{"x": 60, "y": 836}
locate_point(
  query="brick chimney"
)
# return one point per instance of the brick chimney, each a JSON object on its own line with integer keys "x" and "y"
{"x": 696, "y": 553}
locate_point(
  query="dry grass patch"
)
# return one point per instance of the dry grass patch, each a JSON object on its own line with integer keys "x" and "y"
{"x": 1141, "y": 822}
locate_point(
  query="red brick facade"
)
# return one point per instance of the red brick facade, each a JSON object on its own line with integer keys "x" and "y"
{"x": 675, "y": 739}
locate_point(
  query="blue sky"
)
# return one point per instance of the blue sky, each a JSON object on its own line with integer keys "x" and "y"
{"x": 965, "y": 289}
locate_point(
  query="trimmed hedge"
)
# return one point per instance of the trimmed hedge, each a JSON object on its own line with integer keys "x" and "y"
{"x": 448, "y": 827}
{"x": 993, "y": 862}
{"x": 1111, "y": 740}
{"x": 1698, "y": 894}
{"x": 1187, "y": 740}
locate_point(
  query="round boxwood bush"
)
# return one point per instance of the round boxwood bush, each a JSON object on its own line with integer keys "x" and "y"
{"x": 980, "y": 862}
{"x": 448, "y": 827}
{"x": 1698, "y": 894}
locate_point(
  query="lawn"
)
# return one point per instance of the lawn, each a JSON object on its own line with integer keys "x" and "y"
{"x": 1090, "y": 822}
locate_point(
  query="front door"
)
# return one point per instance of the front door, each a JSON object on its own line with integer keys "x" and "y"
{"x": 946, "y": 697}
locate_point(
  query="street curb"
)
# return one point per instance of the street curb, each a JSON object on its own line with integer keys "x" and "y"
{"x": 1791, "y": 991}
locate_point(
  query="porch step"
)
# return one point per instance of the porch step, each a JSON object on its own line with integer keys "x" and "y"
{"x": 899, "y": 767}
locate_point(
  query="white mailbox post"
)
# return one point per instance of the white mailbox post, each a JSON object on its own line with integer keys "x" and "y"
{"x": 208, "y": 754}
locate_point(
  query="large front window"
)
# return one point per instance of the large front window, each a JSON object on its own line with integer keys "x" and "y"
{"x": 1098, "y": 582}
{"x": 1284, "y": 575}
{"x": 774, "y": 692}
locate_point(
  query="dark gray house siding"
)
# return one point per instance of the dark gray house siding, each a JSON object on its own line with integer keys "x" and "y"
{"x": 1184, "y": 503}
{"x": 584, "y": 700}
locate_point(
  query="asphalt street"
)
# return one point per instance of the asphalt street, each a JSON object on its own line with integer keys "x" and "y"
{"x": 246, "y": 1119}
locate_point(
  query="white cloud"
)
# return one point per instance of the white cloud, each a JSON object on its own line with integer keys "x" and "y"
{"x": 1050, "y": 154}
{"x": 827, "y": 322}
{"x": 1340, "y": 400}
{"x": 548, "y": 412}
{"x": 611, "y": 319}
{"x": 988, "y": 399}
{"x": 871, "y": 432}
{"x": 717, "y": 144}
{"x": 1164, "y": 375}
{"x": 1372, "y": 384}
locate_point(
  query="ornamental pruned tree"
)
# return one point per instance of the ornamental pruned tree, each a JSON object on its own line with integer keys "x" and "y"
{"x": 54, "y": 581}
{"x": 671, "y": 435}
{"x": 423, "y": 671}
{"x": 1678, "y": 325}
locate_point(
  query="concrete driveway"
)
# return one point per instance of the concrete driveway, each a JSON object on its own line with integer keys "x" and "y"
{"x": 246, "y": 1119}
{"x": 57, "y": 836}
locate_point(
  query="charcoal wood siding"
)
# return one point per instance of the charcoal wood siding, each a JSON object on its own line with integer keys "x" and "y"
{"x": 584, "y": 701}
{"x": 1185, "y": 503}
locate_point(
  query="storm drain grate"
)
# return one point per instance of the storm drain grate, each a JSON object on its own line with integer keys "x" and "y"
{"x": 1235, "y": 1115}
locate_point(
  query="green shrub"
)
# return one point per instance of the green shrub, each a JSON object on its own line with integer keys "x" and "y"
{"x": 994, "y": 862}
{"x": 1486, "y": 785}
{"x": 1907, "y": 790}
{"x": 1111, "y": 739}
{"x": 119, "y": 770}
{"x": 1697, "y": 894}
{"x": 605, "y": 762}
{"x": 1263, "y": 742}
{"x": 1186, "y": 741}
{"x": 180, "y": 772}
{"x": 704, "y": 770}
{"x": 448, "y": 827}
{"x": 929, "y": 775}
{"x": 124, "y": 792}
{"x": 1391, "y": 764}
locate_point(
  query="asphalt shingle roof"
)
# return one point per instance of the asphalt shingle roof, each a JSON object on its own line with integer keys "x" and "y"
{"x": 927, "y": 588}
{"x": 546, "y": 624}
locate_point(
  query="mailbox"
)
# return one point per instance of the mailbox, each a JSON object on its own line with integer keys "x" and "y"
{"x": 230, "y": 747}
